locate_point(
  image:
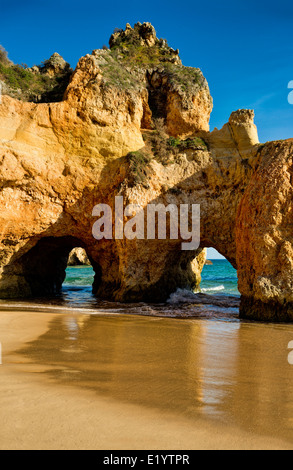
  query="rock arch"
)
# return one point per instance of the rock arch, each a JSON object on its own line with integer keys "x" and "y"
{"x": 40, "y": 271}
{"x": 59, "y": 160}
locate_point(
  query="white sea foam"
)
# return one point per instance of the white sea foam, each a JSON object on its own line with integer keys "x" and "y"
{"x": 181, "y": 295}
{"x": 185, "y": 295}
{"x": 210, "y": 289}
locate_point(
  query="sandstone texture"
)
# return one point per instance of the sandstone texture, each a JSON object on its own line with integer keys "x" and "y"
{"x": 264, "y": 234}
{"x": 105, "y": 139}
{"x": 78, "y": 257}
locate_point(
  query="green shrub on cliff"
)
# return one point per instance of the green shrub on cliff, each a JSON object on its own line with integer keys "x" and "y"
{"x": 138, "y": 55}
{"x": 139, "y": 167}
{"x": 116, "y": 74}
{"x": 185, "y": 79}
{"x": 16, "y": 77}
{"x": 164, "y": 148}
{"x": 138, "y": 49}
{"x": 196, "y": 143}
{"x": 24, "y": 84}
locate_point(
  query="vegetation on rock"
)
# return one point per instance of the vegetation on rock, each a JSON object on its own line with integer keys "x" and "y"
{"x": 116, "y": 74}
{"x": 161, "y": 147}
{"x": 138, "y": 60}
{"x": 33, "y": 84}
{"x": 139, "y": 168}
{"x": 196, "y": 143}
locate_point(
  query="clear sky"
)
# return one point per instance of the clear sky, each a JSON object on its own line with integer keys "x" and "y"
{"x": 244, "y": 48}
{"x": 213, "y": 254}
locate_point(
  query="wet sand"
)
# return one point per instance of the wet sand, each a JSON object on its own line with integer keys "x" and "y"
{"x": 47, "y": 402}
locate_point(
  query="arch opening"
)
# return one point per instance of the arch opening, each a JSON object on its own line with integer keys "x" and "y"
{"x": 218, "y": 275}
{"x": 79, "y": 271}
{"x": 44, "y": 266}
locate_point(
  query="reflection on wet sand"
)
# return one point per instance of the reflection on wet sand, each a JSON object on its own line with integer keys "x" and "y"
{"x": 237, "y": 373}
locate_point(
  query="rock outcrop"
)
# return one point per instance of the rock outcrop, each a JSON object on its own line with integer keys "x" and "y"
{"x": 208, "y": 262}
{"x": 58, "y": 160}
{"x": 78, "y": 257}
{"x": 143, "y": 35}
{"x": 43, "y": 83}
{"x": 264, "y": 234}
{"x": 55, "y": 66}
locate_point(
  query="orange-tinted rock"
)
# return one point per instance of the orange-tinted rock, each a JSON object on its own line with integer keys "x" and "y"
{"x": 59, "y": 160}
{"x": 264, "y": 235}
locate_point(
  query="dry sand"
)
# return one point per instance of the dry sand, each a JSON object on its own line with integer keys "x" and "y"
{"x": 37, "y": 413}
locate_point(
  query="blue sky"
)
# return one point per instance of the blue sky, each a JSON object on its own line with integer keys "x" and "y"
{"x": 244, "y": 48}
{"x": 213, "y": 254}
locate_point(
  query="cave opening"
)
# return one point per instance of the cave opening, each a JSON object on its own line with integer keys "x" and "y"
{"x": 45, "y": 266}
{"x": 79, "y": 271}
{"x": 157, "y": 87}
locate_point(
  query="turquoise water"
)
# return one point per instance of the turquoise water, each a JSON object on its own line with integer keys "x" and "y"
{"x": 220, "y": 278}
{"x": 79, "y": 276}
{"x": 218, "y": 298}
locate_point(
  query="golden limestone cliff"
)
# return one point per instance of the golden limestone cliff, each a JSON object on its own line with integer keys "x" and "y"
{"x": 134, "y": 122}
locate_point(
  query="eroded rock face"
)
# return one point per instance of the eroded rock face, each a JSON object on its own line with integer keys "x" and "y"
{"x": 264, "y": 235}
{"x": 55, "y": 66}
{"x": 143, "y": 35}
{"x": 78, "y": 257}
{"x": 58, "y": 160}
{"x": 239, "y": 132}
{"x": 176, "y": 93}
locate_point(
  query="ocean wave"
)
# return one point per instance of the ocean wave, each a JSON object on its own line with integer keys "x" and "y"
{"x": 181, "y": 295}
{"x": 216, "y": 288}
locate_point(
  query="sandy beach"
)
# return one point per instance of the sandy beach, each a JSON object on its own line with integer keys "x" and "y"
{"x": 39, "y": 413}
{"x": 146, "y": 247}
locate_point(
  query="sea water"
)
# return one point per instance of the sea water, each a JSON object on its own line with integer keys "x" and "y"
{"x": 217, "y": 297}
{"x": 220, "y": 277}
